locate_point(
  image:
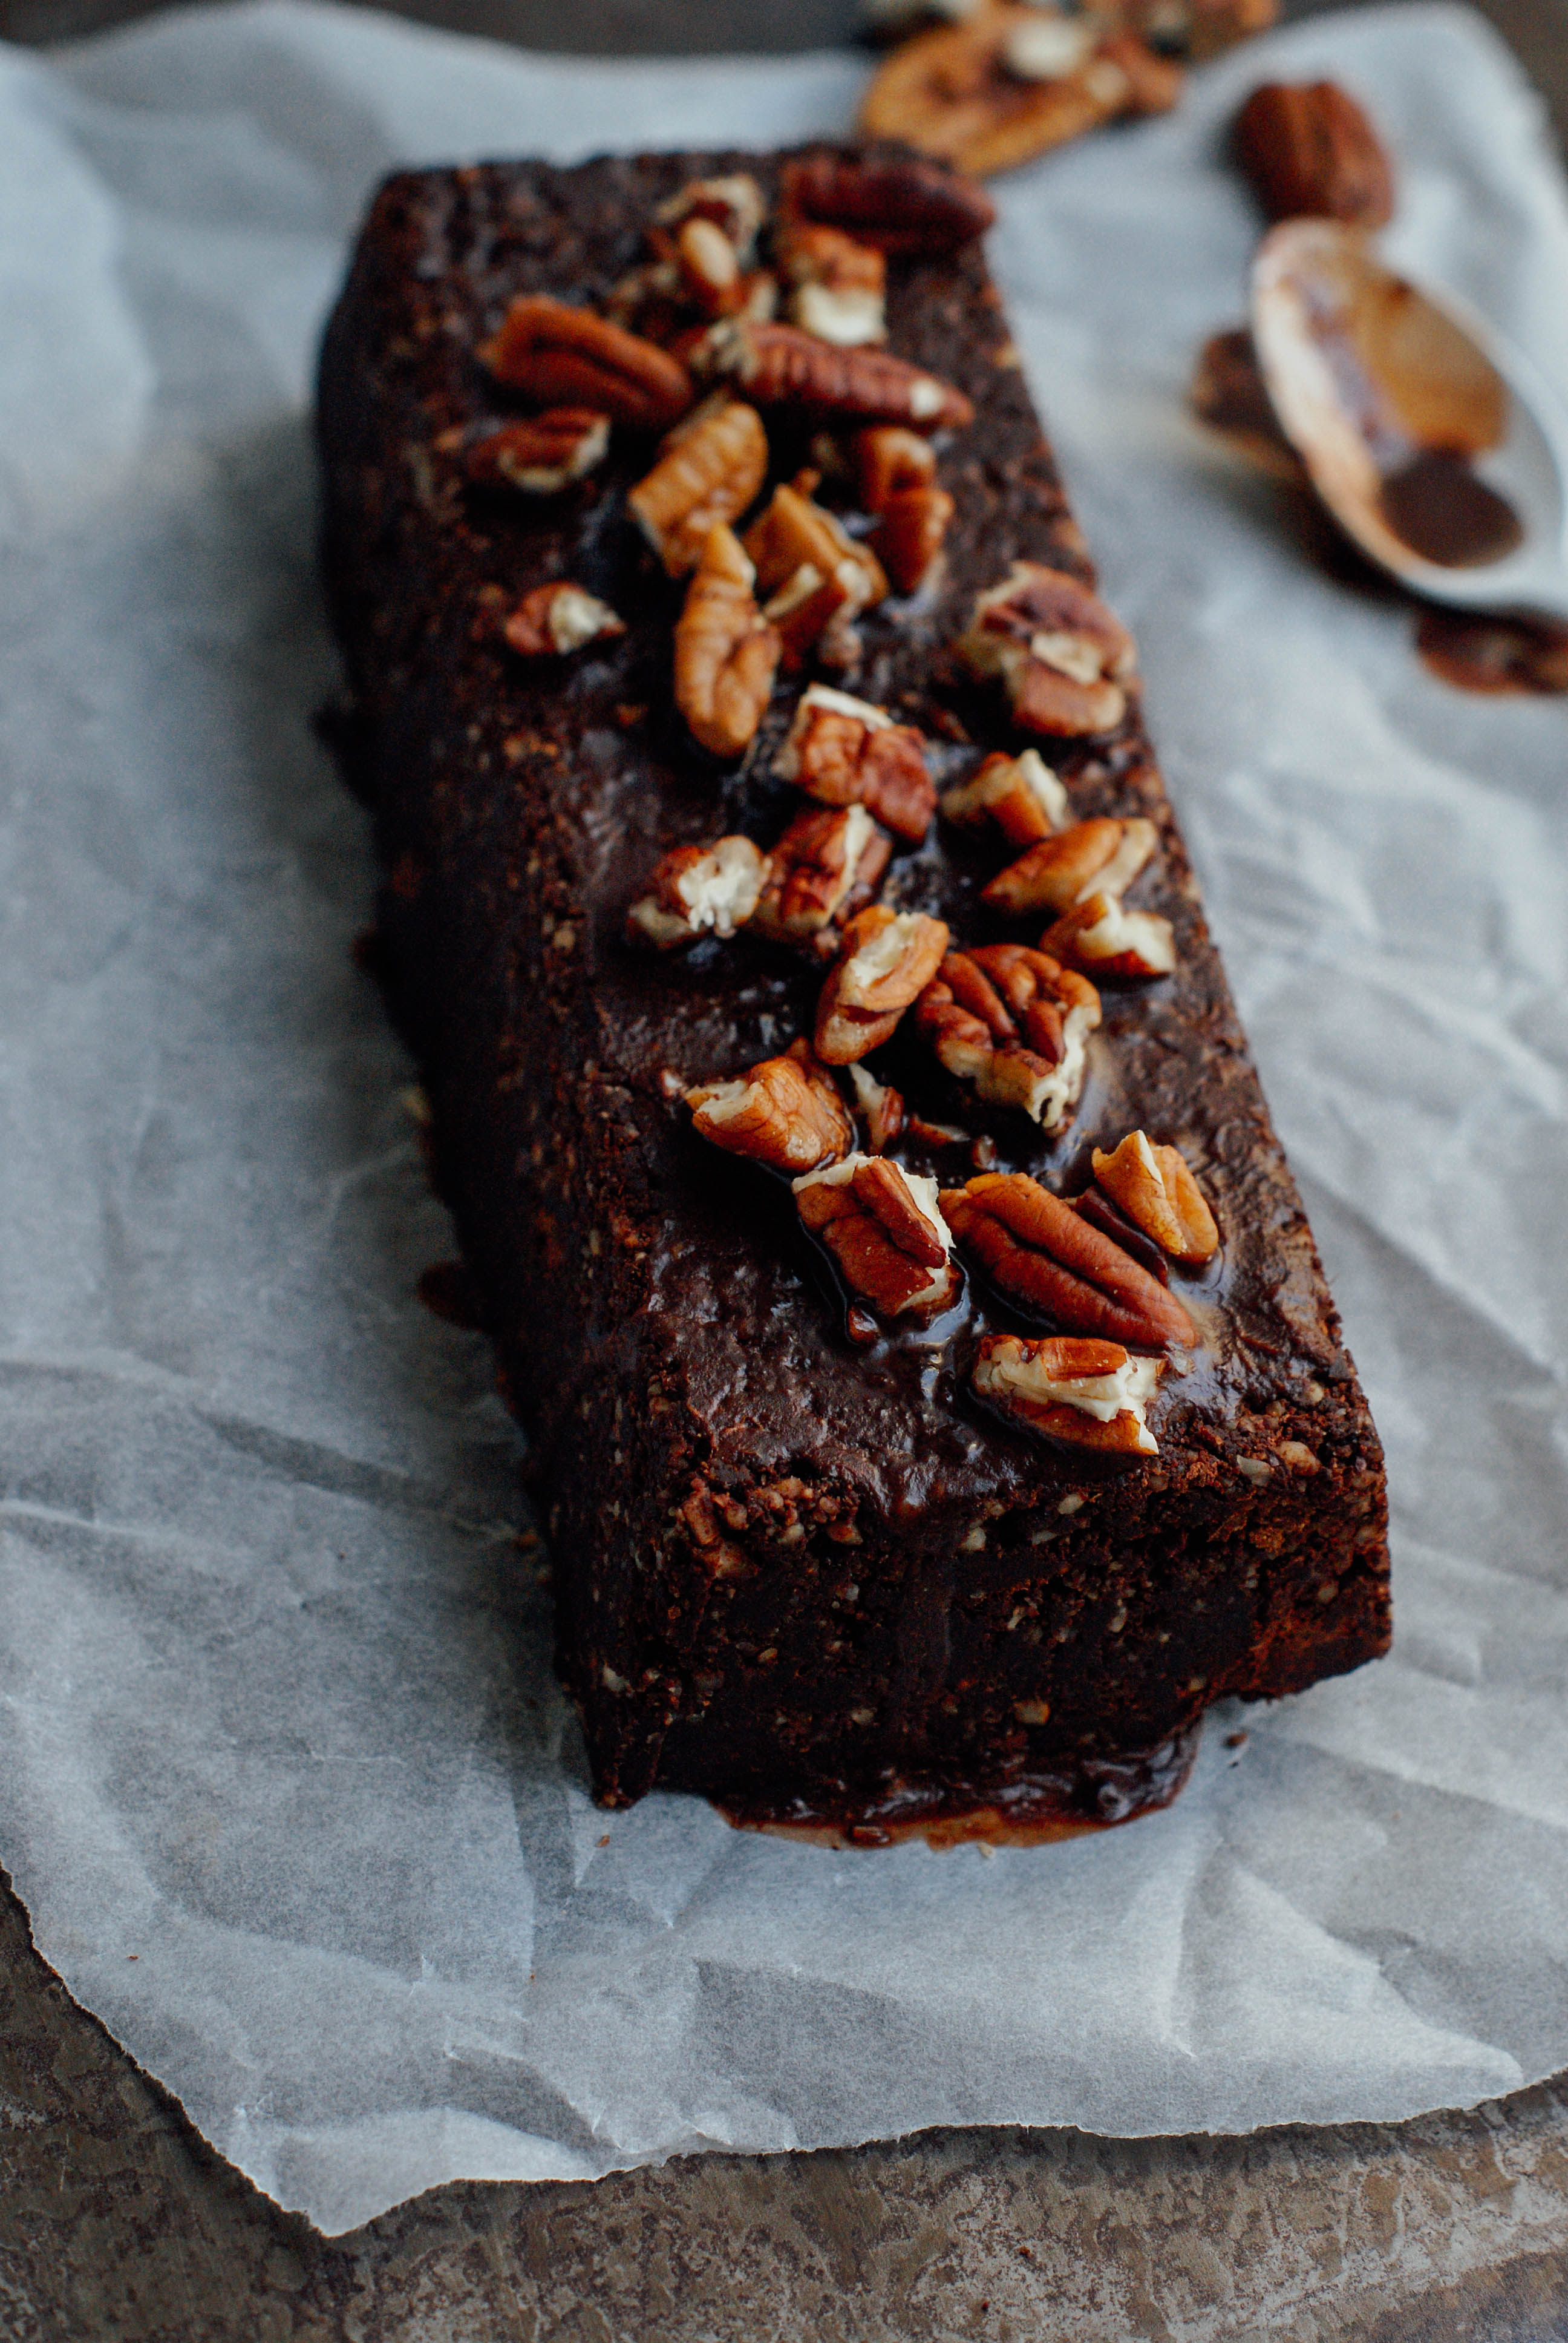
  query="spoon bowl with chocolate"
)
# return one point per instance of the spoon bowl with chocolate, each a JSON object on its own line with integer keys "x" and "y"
{"x": 1434, "y": 446}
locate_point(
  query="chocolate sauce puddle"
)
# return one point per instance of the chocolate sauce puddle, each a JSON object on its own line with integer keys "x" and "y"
{"x": 1437, "y": 505}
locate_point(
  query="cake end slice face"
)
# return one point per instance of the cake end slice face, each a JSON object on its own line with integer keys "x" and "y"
{"x": 934, "y": 1398}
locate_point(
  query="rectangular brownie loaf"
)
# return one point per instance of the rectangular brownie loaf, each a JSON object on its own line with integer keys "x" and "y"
{"x": 811, "y": 1558}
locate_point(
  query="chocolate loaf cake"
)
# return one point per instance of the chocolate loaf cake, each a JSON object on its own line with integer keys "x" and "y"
{"x": 934, "y": 1398}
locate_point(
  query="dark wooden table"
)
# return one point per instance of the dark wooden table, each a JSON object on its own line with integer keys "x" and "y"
{"x": 116, "y": 2220}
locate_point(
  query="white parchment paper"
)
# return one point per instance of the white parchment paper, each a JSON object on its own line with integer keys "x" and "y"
{"x": 285, "y": 1786}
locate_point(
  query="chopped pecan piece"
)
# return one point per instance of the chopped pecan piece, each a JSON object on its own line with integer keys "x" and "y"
{"x": 880, "y": 1106}
{"x": 899, "y": 205}
{"x": 1098, "y": 857}
{"x": 810, "y": 606}
{"x": 887, "y": 460}
{"x": 784, "y": 1112}
{"x": 908, "y": 537}
{"x": 1061, "y": 654}
{"x": 780, "y": 366}
{"x": 886, "y": 960}
{"x": 708, "y": 471}
{"x": 734, "y": 203}
{"x": 883, "y": 1227}
{"x": 844, "y": 752}
{"x": 726, "y": 653}
{"x": 1041, "y": 1254}
{"x": 1155, "y": 1188}
{"x": 1089, "y": 1394}
{"x": 699, "y": 890}
{"x": 543, "y": 455}
{"x": 837, "y": 285}
{"x": 566, "y": 357}
{"x": 552, "y": 620}
{"x": 793, "y": 535}
{"x": 1009, "y": 84}
{"x": 1020, "y": 794}
{"x": 824, "y": 868}
{"x": 1310, "y": 152}
{"x": 1104, "y": 938}
{"x": 971, "y": 1014}
{"x": 709, "y": 266}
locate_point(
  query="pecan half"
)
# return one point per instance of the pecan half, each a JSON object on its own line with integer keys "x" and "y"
{"x": 726, "y": 653}
{"x": 880, "y": 1106}
{"x": 550, "y": 621}
{"x": 784, "y": 1112}
{"x": 885, "y": 962}
{"x": 908, "y": 537}
{"x": 708, "y": 471}
{"x": 709, "y": 266}
{"x": 824, "y": 868}
{"x": 699, "y": 890}
{"x": 1015, "y": 1025}
{"x": 1155, "y": 1188}
{"x": 1227, "y": 394}
{"x": 899, "y": 205}
{"x": 1041, "y": 1254}
{"x": 1010, "y": 82}
{"x": 1310, "y": 151}
{"x": 734, "y": 203}
{"x": 566, "y": 357}
{"x": 543, "y": 455}
{"x": 792, "y": 535}
{"x": 883, "y": 1227}
{"x": 844, "y": 752}
{"x": 1062, "y": 655}
{"x": 1104, "y": 938}
{"x": 1020, "y": 794}
{"x": 779, "y": 366}
{"x": 837, "y": 286}
{"x": 1100, "y": 856}
{"x": 1089, "y": 1394}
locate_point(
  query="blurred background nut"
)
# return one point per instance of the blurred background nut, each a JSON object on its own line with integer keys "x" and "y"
{"x": 542, "y": 455}
{"x": 551, "y": 621}
{"x": 1310, "y": 151}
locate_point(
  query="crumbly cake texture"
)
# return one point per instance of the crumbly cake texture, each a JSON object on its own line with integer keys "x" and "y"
{"x": 809, "y": 1577}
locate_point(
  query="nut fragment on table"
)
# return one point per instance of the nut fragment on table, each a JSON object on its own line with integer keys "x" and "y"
{"x": 726, "y": 653}
{"x": 825, "y": 866}
{"x": 1021, "y": 795}
{"x": 1041, "y": 1254}
{"x": 1015, "y": 1025}
{"x": 1155, "y": 1188}
{"x": 837, "y": 286}
{"x": 543, "y": 454}
{"x": 1105, "y": 938}
{"x": 698, "y": 891}
{"x": 551, "y": 621}
{"x": 1229, "y": 397}
{"x": 1063, "y": 657}
{"x": 710, "y": 469}
{"x": 884, "y": 1228}
{"x": 785, "y": 1113}
{"x": 780, "y": 366}
{"x": 1012, "y": 82}
{"x": 885, "y": 962}
{"x": 845, "y": 751}
{"x": 566, "y": 357}
{"x": 1310, "y": 151}
{"x": 1102, "y": 856}
{"x": 898, "y": 203}
{"x": 1089, "y": 1394}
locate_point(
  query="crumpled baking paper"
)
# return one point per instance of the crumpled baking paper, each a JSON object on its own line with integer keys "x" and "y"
{"x": 287, "y": 1787}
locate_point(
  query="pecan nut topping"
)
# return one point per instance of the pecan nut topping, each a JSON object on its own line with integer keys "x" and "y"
{"x": 780, "y": 366}
{"x": 885, "y": 962}
{"x": 883, "y": 1227}
{"x": 844, "y": 752}
{"x": 1105, "y": 938}
{"x": 881, "y": 1108}
{"x": 726, "y": 653}
{"x": 899, "y": 205}
{"x": 1020, "y": 794}
{"x": 1098, "y": 857}
{"x": 564, "y": 357}
{"x": 543, "y": 455}
{"x": 733, "y": 204}
{"x": 1014, "y": 1023}
{"x": 784, "y": 1112}
{"x": 887, "y": 460}
{"x": 1041, "y": 1254}
{"x": 551, "y": 621}
{"x": 838, "y": 287}
{"x": 909, "y": 535}
{"x": 1310, "y": 151}
{"x": 698, "y": 891}
{"x": 826, "y": 865}
{"x": 808, "y": 567}
{"x": 1155, "y": 1188}
{"x": 710, "y": 469}
{"x": 1089, "y": 1394}
{"x": 1061, "y": 654}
